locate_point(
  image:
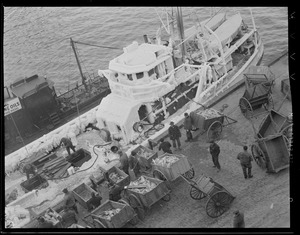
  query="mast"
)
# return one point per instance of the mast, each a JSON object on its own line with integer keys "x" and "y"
{"x": 78, "y": 63}
{"x": 181, "y": 30}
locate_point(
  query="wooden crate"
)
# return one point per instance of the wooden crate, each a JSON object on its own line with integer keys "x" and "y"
{"x": 79, "y": 157}
{"x": 272, "y": 124}
{"x": 36, "y": 182}
{"x": 146, "y": 161}
{"x": 151, "y": 197}
{"x": 122, "y": 182}
{"x": 82, "y": 194}
{"x": 277, "y": 153}
{"x": 118, "y": 220}
{"x": 176, "y": 169}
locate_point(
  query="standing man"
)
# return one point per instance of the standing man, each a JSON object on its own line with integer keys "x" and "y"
{"x": 115, "y": 192}
{"x": 238, "y": 220}
{"x": 69, "y": 200}
{"x": 188, "y": 127}
{"x": 123, "y": 159}
{"x": 69, "y": 217}
{"x": 245, "y": 159}
{"x": 68, "y": 144}
{"x": 29, "y": 169}
{"x": 165, "y": 146}
{"x": 44, "y": 224}
{"x": 95, "y": 201}
{"x": 134, "y": 164}
{"x": 214, "y": 150}
{"x": 175, "y": 134}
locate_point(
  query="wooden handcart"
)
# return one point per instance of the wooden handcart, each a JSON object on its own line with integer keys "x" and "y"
{"x": 83, "y": 194}
{"x": 273, "y": 142}
{"x": 123, "y": 214}
{"x": 219, "y": 199}
{"x": 141, "y": 202}
{"x": 169, "y": 173}
{"x": 258, "y": 91}
{"x": 210, "y": 121}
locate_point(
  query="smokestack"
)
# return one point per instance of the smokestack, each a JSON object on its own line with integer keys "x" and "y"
{"x": 146, "y": 38}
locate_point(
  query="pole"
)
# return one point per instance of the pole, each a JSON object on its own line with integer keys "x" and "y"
{"x": 181, "y": 30}
{"x": 78, "y": 63}
{"x": 254, "y": 27}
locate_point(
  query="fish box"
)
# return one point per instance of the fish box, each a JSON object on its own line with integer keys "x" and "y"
{"x": 36, "y": 182}
{"x": 79, "y": 157}
{"x": 176, "y": 168}
{"x": 83, "y": 195}
{"x": 119, "y": 219}
{"x": 146, "y": 155}
{"x": 154, "y": 195}
{"x": 125, "y": 178}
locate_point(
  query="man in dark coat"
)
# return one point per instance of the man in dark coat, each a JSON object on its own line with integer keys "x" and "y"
{"x": 68, "y": 144}
{"x": 44, "y": 224}
{"x": 238, "y": 220}
{"x": 246, "y": 159}
{"x": 69, "y": 200}
{"x": 187, "y": 123}
{"x": 95, "y": 201}
{"x": 214, "y": 150}
{"x": 115, "y": 193}
{"x": 69, "y": 217}
{"x": 175, "y": 134}
{"x": 29, "y": 169}
{"x": 134, "y": 164}
{"x": 165, "y": 146}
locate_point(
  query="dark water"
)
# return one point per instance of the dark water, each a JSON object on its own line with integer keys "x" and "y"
{"x": 36, "y": 39}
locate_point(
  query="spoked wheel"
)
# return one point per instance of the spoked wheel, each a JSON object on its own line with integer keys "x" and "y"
{"x": 214, "y": 130}
{"x": 259, "y": 156}
{"x": 288, "y": 134}
{"x": 246, "y": 107}
{"x": 196, "y": 193}
{"x": 136, "y": 204}
{"x": 98, "y": 224}
{"x": 159, "y": 175}
{"x": 190, "y": 173}
{"x": 218, "y": 204}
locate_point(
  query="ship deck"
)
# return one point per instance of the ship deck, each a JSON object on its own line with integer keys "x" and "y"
{"x": 254, "y": 197}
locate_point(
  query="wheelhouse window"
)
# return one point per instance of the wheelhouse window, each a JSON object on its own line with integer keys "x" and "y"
{"x": 139, "y": 75}
{"x": 130, "y": 77}
{"x": 151, "y": 72}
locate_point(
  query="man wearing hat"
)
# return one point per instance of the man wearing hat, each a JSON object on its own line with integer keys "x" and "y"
{"x": 68, "y": 144}
{"x": 165, "y": 146}
{"x": 174, "y": 134}
{"x": 245, "y": 160}
{"x": 69, "y": 200}
{"x": 238, "y": 219}
{"x": 187, "y": 123}
{"x": 214, "y": 150}
{"x": 123, "y": 159}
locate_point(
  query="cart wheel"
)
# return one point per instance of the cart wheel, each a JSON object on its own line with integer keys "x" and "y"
{"x": 98, "y": 224}
{"x": 159, "y": 175}
{"x": 214, "y": 130}
{"x": 246, "y": 107}
{"x": 259, "y": 156}
{"x": 134, "y": 220}
{"x": 196, "y": 193}
{"x": 167, "y": 198}
{"x": 218, "y": 204}
{"x": 136, "y": 204}
{"x": 288, "y": 134}
{"x": 189, "y": 174}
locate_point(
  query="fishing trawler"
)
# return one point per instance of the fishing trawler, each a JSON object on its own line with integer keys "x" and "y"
{"x": 152, "y": 81}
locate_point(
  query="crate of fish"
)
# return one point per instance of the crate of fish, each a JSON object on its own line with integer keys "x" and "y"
{"x": 146, "y": 155}
{"x": 170, "y": 166}
{"x": 118, "y": 176}
{"x": 145, "y": 191}
{"x": 113, "y": 214}
{"x": 83, "y": 194}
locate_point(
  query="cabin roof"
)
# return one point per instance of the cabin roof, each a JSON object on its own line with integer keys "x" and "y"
{"x": 136, "y": 58}
{"x": 23, "y": 87}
